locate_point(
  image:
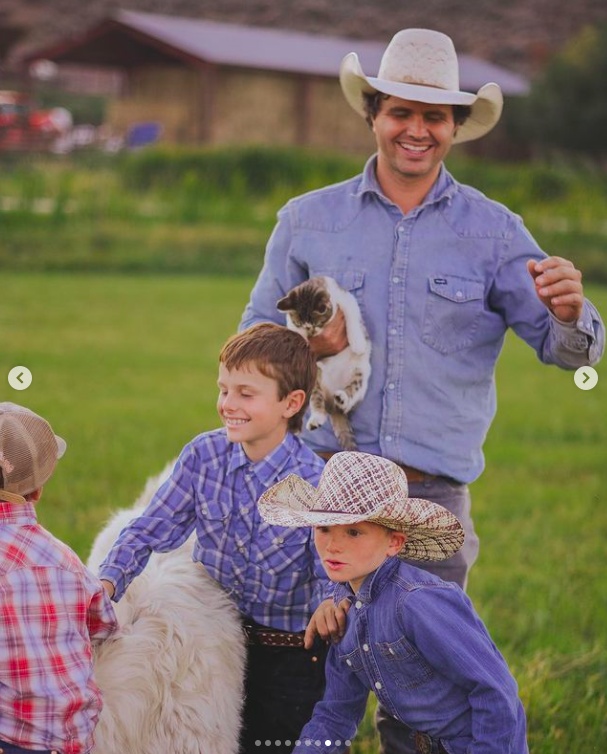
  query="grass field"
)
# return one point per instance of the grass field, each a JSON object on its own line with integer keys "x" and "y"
{"x": 125, "y": 369}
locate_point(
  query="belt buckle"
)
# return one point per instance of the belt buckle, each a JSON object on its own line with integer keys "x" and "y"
{"x": 423, "y": 743}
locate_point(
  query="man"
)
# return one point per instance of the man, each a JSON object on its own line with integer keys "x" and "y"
{"x": 440, "y": 271}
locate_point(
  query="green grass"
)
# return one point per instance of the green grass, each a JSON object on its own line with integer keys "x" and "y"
{"x": 212, "y": 210}
{"x": 125, "y": 369}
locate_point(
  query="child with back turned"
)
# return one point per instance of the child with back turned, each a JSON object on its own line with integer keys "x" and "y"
{"x": 51, "y": 607}
{"x": 273, "y": 575}
{"x": 411, "y": 638}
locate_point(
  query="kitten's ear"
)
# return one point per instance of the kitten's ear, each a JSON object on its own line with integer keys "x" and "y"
{"x": 285, "y": 304}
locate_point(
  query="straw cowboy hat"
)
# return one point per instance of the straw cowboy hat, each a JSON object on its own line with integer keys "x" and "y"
{"x": 357, "y": 487}
{"x": 421, "y": 65}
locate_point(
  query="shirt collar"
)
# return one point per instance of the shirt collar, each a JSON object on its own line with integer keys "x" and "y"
{"x": 372, "y": 585}
{"x": 269, "y": 468}
{"x": 443, "y": 187}
{"x": 17, "y": 513}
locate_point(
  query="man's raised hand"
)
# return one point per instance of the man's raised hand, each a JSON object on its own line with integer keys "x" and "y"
{"x": 558, "y": 286}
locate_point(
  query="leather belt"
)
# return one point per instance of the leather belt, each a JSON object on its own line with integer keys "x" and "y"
{"x": 413, "y": 475}
{"x": 425, "y": 744}
{"x": 268, "y": 637}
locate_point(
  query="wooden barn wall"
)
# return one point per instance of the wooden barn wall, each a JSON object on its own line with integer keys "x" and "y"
{"x": 168, "y": 94}
{"x": 253, "y": 107}
{"x": 332, "y": 122}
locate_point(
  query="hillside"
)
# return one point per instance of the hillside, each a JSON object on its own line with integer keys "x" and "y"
{"x": 519, "y": 35}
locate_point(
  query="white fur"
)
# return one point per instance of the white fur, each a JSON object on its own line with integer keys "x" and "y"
{"x": 172, "y": 677}
{"x": 335, "y": 372}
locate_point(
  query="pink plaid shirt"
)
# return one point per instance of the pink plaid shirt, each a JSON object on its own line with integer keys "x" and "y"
{"x": 51, "y": 608}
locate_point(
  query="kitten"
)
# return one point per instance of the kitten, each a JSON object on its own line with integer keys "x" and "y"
{"x": 342, "y": 379}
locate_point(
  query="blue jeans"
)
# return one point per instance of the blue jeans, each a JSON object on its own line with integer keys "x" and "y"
{"x": 6, "y": 748}
{"x": 395, "y": 737}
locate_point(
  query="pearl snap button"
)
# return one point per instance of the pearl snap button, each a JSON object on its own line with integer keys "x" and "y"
{"x": 366, "y": 647}
{"x": 393, "y": 331}
{"x": 391, "y": 651}
{"x": 358, "y": 604}
{"x": 349, "y": 662}
{"x": 459, "y": 294}
{"x": 377, "y": 685}
{"x": 396, "y": 279}
{"x": 389, "y": 438}
{"x": 391, "y": 386}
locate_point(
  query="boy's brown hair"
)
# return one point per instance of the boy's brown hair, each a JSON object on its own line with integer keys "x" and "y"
{"x": 278, "y": 353}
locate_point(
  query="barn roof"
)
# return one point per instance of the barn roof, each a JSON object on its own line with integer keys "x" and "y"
{"x": 200, "y": 40}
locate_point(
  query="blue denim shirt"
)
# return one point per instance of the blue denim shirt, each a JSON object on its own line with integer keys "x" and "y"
{"x": 417, "y": 643}
{"x": 438, "y": 289}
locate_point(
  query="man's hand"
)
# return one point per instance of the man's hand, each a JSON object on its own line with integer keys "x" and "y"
{"x": 558, "y": 286}
{"x": 333, "y": 339}
{"x": 329, "y": 622}
{"x": 109, "y": 587}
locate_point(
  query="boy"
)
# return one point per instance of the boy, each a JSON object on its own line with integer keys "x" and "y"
{"x": 51, "y": 607}
{"x": 274, "y": 576}
{"x": 411, "y": 638}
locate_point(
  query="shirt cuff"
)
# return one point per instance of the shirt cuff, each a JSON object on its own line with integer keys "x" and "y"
{"x": 116, "y": 578}
{"x": 577, "y": 335}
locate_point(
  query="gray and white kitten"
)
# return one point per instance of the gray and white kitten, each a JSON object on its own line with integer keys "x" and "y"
{"x": 342, "y": 379}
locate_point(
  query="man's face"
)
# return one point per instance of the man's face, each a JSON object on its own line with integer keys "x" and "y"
{"x": 413, "y": 137}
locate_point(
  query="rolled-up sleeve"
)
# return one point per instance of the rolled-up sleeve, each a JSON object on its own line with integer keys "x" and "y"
{"x": 568, "y": 345}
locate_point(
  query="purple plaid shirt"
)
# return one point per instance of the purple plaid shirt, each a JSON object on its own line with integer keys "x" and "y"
{"x": 273, "y": 574}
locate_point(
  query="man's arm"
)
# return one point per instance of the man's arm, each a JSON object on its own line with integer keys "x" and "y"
{"x": 336, "y": 718}
{"x": 542, "y": 299}
{"x": 441, "y": 625}
{"x": 163, "y": 526}
{"x": 279, "y": 274}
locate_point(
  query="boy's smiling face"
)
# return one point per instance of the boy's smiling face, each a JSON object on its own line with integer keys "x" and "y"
{"x": 251, "y": 410}
{"x": 350, "y": 552}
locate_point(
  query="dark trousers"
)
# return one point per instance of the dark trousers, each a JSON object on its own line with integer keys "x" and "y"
{"x": 282, "y": 685}
{"x": 7, "y": 748}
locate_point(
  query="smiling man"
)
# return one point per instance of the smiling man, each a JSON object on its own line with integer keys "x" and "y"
{"x": 440, "y": 271}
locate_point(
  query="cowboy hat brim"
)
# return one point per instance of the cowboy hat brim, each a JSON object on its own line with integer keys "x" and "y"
{"x": 486, "y": 105}
{"x": 435, "y": 535}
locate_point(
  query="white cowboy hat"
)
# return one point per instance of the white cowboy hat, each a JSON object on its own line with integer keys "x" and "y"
{"x": 357, "y": 487}
{"x": 421, "y": 65}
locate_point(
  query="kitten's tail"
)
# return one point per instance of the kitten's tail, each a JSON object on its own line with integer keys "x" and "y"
{"x": 343, "y": 431}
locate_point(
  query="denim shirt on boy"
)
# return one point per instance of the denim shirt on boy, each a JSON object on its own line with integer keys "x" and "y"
{"x": 438, "y": 288}
{"x": 273, "y": 574}
{"x": 417, "y": 643}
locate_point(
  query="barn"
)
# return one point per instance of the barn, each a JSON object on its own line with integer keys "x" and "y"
{"x": 208, "y": 82}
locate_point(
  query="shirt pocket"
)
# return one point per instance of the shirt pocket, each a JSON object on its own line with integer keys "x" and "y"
{"x": 407, "y": 668}
{"x": 282, "y": 551}
{"x": 215, "y": 515}
{"x": 452, "y": 313}
{"x": 352, "y": 661}
{"x": 352, "y": 280}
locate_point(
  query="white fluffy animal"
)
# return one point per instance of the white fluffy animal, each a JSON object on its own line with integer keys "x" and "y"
{"x": 172, "y": 677}
{"x": 342, "y": 379}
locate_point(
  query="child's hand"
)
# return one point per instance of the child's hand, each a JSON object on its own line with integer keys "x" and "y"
{"x": 329, "y": 622}
{"x": 109, "y": 587}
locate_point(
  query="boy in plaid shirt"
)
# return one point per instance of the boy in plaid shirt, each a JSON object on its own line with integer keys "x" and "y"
{"x": 273, "y": 575}
{"x": 51, "y": 606}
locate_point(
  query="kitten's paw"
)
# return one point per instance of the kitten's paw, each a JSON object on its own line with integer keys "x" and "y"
{"x": 315, "y": 421}
{"x": 342, "y": 401}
